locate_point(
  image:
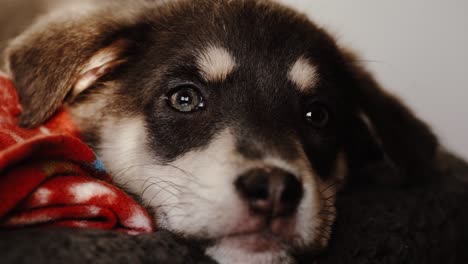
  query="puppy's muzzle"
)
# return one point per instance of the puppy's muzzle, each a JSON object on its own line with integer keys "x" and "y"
{"x": 270, "y": 192}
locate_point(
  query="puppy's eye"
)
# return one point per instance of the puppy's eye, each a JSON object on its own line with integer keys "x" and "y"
{"x": 186, "y": 99}
{"x": 317, "y": 115}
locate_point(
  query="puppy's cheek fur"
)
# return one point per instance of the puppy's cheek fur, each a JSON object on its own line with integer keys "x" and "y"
{"x": 317, "y": 212}
{"x": 209, "y": 205}
{"x": 190, "y": 195}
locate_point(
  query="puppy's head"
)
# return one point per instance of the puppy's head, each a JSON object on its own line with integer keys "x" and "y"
{"x": 237, "y": 121}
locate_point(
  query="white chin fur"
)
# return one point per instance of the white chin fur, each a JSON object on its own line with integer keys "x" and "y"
{"x": 195, "y": 194}
{"x": 228, "y": 255}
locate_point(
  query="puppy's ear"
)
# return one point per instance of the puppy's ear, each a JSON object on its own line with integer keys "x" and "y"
{"x": 63, "y": 55}
{"x": 388, "y": 143}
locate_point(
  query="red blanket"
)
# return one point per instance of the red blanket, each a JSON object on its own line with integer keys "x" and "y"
{"x": 48, "y": 177}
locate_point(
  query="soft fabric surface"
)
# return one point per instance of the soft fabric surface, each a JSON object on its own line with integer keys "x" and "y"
{"x": 48, "y": 177}
{"x": 425, "y": 223}
{"x": 420, "y": 224}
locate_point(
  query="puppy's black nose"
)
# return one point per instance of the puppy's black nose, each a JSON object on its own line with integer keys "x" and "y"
{"x": 270, "y": 191}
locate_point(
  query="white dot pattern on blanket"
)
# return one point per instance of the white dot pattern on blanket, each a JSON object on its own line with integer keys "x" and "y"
{"x": 44, "y": 130}
{"x": 84, "y": 192}
{"x": 138, "y": 220}
{"x": 42, "y": 196}
{"x": 26, "y": 219}
{"x": 81, "y": 224}
{"x": 10, "y": 133}
{"x": 94, "y": 210}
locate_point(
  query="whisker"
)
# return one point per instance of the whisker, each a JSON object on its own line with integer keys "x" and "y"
{"x": 159, "y": 191}
{"x": 334, "y": 183}
{"x": 176, "y": 187}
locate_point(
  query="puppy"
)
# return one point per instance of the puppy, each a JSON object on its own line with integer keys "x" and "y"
{"x": 237, "y": 121}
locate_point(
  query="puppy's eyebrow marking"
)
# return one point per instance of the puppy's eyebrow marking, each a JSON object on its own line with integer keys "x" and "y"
{"x": 303, "y": 74}
{"x": 215, "y": 63}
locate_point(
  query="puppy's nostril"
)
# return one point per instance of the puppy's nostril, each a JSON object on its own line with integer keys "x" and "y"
{"x": 270, "y": 191}
{"x": 253, "y": 185}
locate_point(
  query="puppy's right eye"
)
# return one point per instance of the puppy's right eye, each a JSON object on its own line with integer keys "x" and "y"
{"x": 186, "y": 99}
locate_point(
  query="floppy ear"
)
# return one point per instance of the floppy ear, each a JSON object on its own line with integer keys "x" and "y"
{"x": 388, "y": 143}
{"x": 64, "y": 54}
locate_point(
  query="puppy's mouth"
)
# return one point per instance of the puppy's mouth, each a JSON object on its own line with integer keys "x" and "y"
{"x": 261, "y": 241}
{"x": 267, "y": 236}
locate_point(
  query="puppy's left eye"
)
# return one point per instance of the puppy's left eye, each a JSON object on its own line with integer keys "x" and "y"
{"x": 186, "y": 99}
{"x": 317, "y": 115}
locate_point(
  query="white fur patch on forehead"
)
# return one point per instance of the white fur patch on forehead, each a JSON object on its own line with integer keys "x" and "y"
{"x": 215, "y": 63}
{"x": 303, "y": 74}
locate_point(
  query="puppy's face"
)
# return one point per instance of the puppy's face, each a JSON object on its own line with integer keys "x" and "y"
{"x": 229, "y": 130}
{"x": 235, "y": 121}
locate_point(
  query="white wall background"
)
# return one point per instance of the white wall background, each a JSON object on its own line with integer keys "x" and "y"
{"x": 418, "y": 49}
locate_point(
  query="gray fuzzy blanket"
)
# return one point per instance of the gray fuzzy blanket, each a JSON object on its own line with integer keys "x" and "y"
{"x": 427, "y": 223}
